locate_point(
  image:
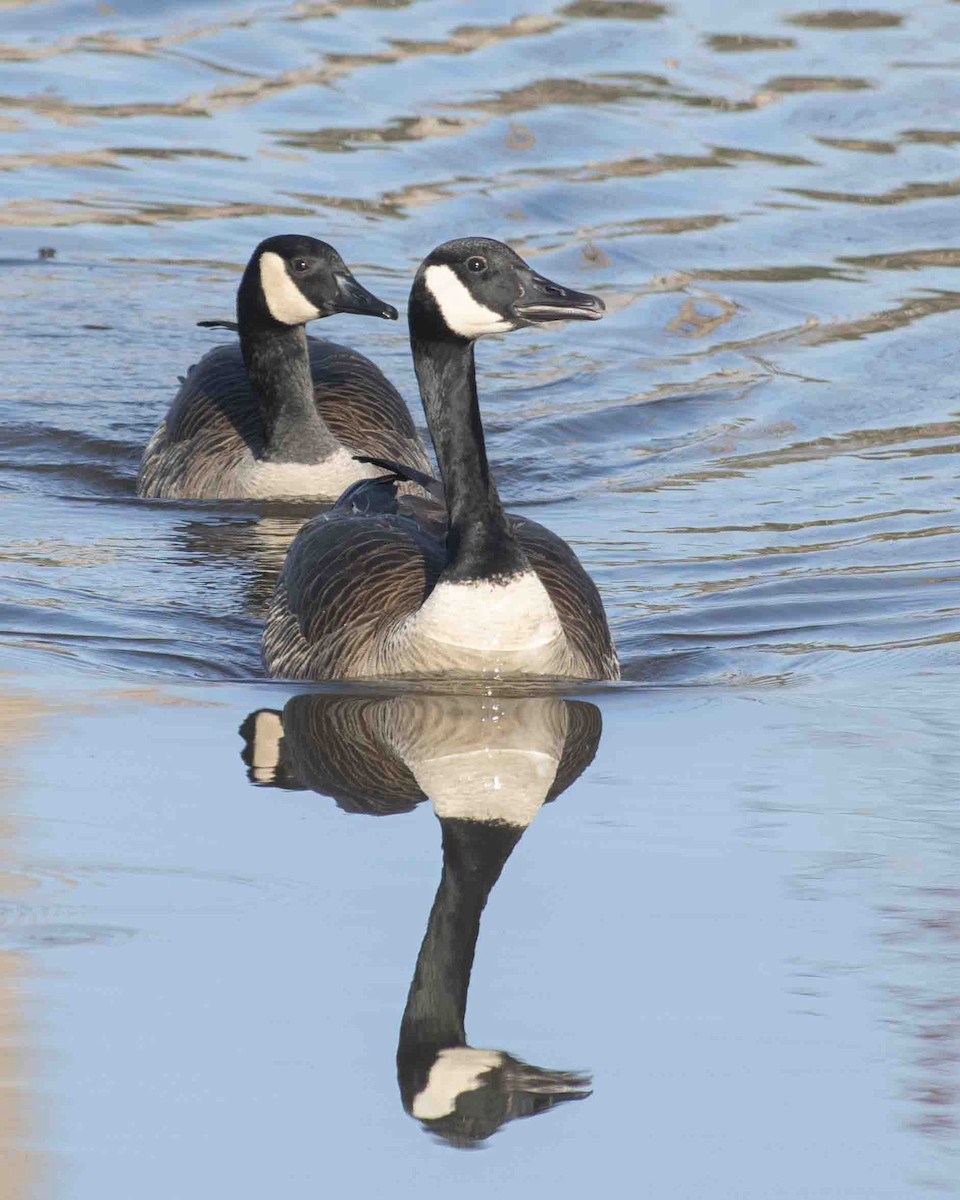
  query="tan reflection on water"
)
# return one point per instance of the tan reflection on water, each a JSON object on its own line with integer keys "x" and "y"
{"x": 340, "y": 139}
{"x": 20, "y": 1163}
{"x": 109, "y": 157}
{"x": 253, "y": 88}
{"x": 615, "y": 10}
{"x": 814, "y": 332}
{"x": 864, "y": 18}
{"x": 82, "y": 210}
{"x": 904, "y": 194}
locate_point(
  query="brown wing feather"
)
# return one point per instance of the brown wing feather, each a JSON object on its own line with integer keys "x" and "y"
{"x": 574, "y": 596}
{"x": 347, "y": 582}
{"x": 584, "y": 726}
{"x": 216, "y": 395}
{"x": 212, "y": 427}
{"x": 362, "y": 407}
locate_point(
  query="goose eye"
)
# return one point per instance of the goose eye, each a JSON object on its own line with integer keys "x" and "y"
{"x": 300, "y": 264}
{"x": 476, "y": 263}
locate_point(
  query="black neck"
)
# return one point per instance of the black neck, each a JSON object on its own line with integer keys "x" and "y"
{"x": 479, "y": 542}
{"x": 278, "y": 367}
{"x": 474, "y": 853}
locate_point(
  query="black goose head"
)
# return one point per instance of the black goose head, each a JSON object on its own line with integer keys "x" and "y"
{"x": 472, "y": 287}
{"x": 292, "y": 279}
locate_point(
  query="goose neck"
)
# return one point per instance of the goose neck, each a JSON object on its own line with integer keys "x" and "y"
{"x": 480, "y": 544}
{"x": 278, "y": 367}
{"x": 474, "y": 854}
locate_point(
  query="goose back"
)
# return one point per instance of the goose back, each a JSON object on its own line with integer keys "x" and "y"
{"x": 213, "y": 438}
{"x": 347, "y": 585}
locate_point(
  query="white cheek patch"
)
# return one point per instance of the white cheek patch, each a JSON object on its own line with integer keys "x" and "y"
{"x": 285, "y": 302}
{"x": 265, "y": 748}
{"x": 461, "y": 313}
{"x": 457, "y": 1069}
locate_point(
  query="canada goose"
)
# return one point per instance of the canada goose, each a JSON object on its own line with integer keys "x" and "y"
{"x": 281, "y": 415}
{"x": 488, "y": 764}
{"x": 454, "y": 589}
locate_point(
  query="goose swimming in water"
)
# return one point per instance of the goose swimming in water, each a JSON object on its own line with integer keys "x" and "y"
{"x": 281, "y": 415}
{"x": 461, "y": 588}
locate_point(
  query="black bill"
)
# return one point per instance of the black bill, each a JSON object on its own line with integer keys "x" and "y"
{"x": 353, "y": 297}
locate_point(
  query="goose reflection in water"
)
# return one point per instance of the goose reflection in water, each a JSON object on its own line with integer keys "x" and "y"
{"x": 488, "y": 764}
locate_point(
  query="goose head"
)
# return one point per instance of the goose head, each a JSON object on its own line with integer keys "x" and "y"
{"x": 292, "y": 279}
{"x": 473, "y": 287}
{"x": 467, "y": 1094}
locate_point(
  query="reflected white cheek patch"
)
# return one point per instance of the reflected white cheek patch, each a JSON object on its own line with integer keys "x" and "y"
{"x": 461, "y": 313}
{"x": 456, "y": 1070}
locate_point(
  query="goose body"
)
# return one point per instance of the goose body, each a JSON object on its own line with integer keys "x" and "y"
{"x": 413, "y": 587}
{"x": 281, "y": 415}
{"x": 396, "y": 616}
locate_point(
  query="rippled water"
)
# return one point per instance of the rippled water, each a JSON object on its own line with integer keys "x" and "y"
{"x": 743, "y": 918}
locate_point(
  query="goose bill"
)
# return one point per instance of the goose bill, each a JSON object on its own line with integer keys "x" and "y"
{"x": 562, "y": 304}
{"x": 353, "y": 297}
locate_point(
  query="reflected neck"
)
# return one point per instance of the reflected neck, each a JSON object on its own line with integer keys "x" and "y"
{"x": 278, "y": 367}
{"x": 480, "y": 544}
{"x": 474, "y": 854}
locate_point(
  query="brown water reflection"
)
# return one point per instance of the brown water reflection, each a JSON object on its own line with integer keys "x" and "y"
{"x": 864, "y": 18}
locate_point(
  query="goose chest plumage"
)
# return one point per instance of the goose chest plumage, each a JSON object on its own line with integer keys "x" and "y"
{"x": 279, "y": 415}
{"x": 388, "y": 586}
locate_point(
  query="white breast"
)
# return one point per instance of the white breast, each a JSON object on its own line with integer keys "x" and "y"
{"x": 482, "y": 629}
{"x": 315, "y": 481}
{"x": 493, "y": 784}
{"x": 493, "y": 617}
